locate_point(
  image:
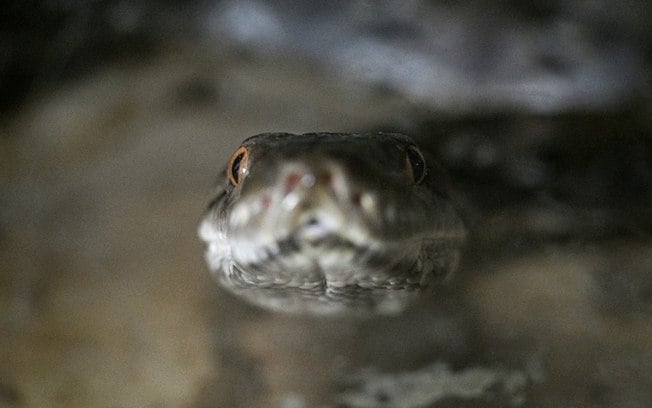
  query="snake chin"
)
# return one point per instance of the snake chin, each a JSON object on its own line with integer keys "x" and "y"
{"x": 323, "y": 296}
{"x": 343, "y": 279}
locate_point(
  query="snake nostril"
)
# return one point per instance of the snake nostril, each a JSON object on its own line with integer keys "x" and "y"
{"x": 266, "y": 201}
{"x": 327, "y": 178}
{"x": 292, "y": 181}
{"x": 356, "y": 199}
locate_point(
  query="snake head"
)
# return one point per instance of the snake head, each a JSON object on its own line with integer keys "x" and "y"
{"x": 331, "y": 223}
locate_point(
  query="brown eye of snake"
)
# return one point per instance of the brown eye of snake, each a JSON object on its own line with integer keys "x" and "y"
{"x": 415, "y": 164}
{"x": 237, "y": 163}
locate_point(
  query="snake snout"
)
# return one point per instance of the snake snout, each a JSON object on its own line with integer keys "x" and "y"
{"x": 322, "y": 200}
{"x": 305, "y": 185}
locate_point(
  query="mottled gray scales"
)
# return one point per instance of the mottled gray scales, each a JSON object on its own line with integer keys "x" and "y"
{"x": 331, "y": 223}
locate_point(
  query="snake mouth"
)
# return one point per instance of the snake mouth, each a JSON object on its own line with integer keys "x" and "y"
{"x": 315, "y": 286}
{"x": 329, "y": 263}
{"x": 306, "y": 250}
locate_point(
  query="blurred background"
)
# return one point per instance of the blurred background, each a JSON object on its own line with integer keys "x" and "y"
{"x": 116, "y": 119}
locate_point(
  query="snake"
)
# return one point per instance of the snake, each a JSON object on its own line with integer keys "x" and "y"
{"x": 332, "y": 223}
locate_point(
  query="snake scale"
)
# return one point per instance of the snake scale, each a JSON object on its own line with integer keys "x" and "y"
{"x": 332, "y": 223}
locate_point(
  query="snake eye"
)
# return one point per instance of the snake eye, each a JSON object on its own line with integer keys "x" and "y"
{"x": 237, "y": 167}
{"x": 415, "y": 164}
